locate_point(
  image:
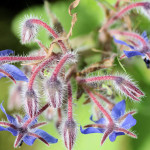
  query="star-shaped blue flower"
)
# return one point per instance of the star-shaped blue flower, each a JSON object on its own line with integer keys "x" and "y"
{"x": 121, "y": 121}
{"x": 25, "y": 133}
{"x": 11, "y": 71}
{"x": 134, "y": 51}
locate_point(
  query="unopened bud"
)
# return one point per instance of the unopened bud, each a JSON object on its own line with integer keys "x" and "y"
{"x": 69, "y": 133}
{"x": 29, "y": 31}
{"x": 55, "y": 90}
{"x": 128, "y": 88}
{"x": 32, "y": 102}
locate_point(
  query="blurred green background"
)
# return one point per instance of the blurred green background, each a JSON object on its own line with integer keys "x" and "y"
{"x": 90, "y": 17}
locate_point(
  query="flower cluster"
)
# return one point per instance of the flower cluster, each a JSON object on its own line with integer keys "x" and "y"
{"x": 54, "y": 72}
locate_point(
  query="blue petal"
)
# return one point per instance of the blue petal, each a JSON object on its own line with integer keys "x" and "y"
{"x": 2, "y": 75}
{"x": 14, "y": 132}
{"x": 118, "y": 110}
{"x": 26, "y": 118}
{"x": 133, "y": 53}
{"x": 29, "y": 140}
{"x": 123, "y": 43}
{"x": 91, "y": 130}
{"x": 10, "y": 118}
{"x": 144, "y": 35}
{"x": 6, "y": 52}
{"x": 113, "y": 136}
{"x": 100, "y": 121}
{"x": 129, "y": 122}
{"x": 16, "y": 73}
{"x": 46, "y": 136}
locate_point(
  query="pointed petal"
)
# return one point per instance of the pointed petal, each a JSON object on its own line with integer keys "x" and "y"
{"x": 91, "y": 130}
{"x": 48, "y": 138}
{"x": 6, "y": 52}
{"x": 16, "y": 73}
{"x": 113, "y": 136}
{"x": 118, "y": 110}
{"x": 128, "y": 122}
{"x": 10, "y": 118}
{"x": 123, "y": 43}
{"x": 133, "y": 53}
{"x": 29, "y": 140}
{"x": 100, "y": 121}
{"x": 14, "y": 132}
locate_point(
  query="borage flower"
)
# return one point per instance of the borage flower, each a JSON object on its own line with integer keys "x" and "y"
{"x": 25, "y": 129}
{"x": 11, "y": 71}
{"x": 121, "y": 123}
{"x": 139, "y": 48}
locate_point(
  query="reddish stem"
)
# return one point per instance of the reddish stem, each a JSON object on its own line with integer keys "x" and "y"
{"x": 121, "y": 13}
{"x": 20, "y": 58}
{"x": 104, "y": 99}
{"x": 59, "y": 114}
{"x": 54, "y": 34}
{"x": 59, "y": 66}
{"x": 37, "y": 70}
{"x": 106, "y": 114}
{"x": 94, "y": 79}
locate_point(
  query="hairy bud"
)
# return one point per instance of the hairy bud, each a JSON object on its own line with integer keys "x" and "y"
{"x": 69, "y": 133}
{"x": 32, "y": 102}
{"x": 55, "y": 90}
{"x": 29, "y": 31}
{"x": 128, "y": 88}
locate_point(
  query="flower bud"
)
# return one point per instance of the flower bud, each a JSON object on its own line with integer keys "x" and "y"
{"x": 32, "y": 102}
{"x": 69, "y": 133}
{"x": 128, "y": 88}
{"x": 29, "y": 31}
{"x": 55, "y": 91}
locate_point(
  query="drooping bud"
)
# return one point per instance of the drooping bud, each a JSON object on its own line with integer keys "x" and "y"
{"x": 32, "y": 102}
{"x": 128, "y": 88}
{"x": 55, "y": 92}
{"x": 69, "y": 133}
{"x": 29, "y": 31}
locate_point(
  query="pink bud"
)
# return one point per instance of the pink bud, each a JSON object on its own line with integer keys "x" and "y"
{"x": 128, "y": 88}
{"x": 69, "y": 133}
{"x": 29, "y": 31}
{"x": 55, "y": 92}
{"x": 32, "y": 102}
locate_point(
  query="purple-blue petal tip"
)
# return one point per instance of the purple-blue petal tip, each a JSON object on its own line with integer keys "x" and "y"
{"x": 133, "y": 53}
